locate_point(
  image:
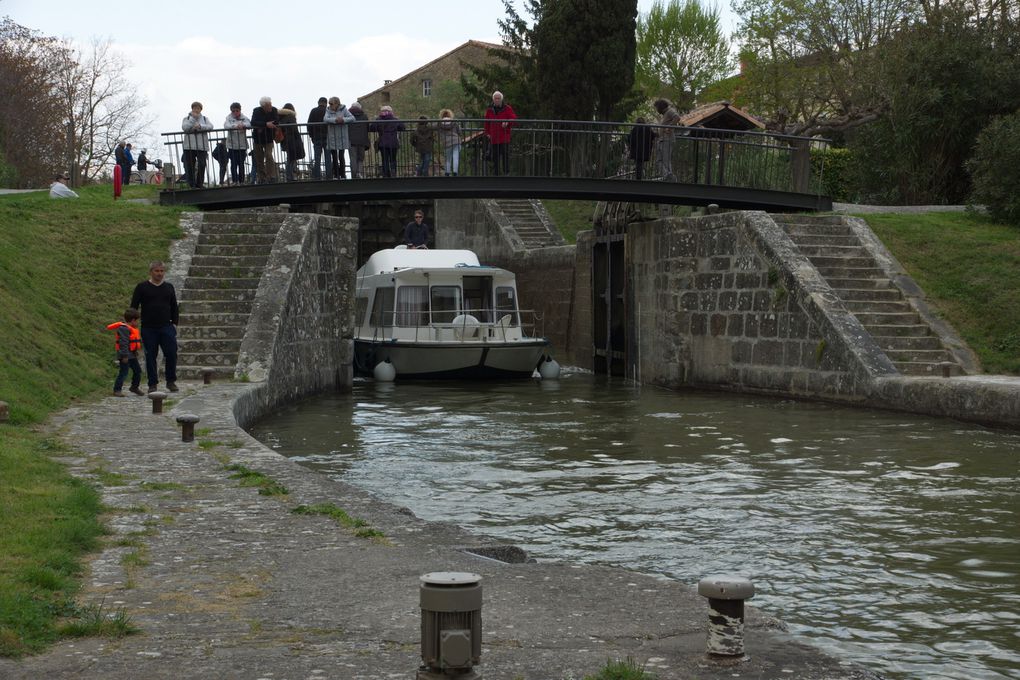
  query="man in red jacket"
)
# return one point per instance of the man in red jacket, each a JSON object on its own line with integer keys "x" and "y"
{"x": 498, "y": 124}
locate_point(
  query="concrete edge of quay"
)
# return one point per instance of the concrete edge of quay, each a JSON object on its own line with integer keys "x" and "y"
{"x": 223, "y": 582}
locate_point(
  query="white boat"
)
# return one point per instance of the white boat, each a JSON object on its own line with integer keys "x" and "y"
{"x": 440, "y": 314}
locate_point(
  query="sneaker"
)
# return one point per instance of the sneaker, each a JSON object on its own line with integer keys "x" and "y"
{"x": 171, "y": 386}
{"x": 118, "y": 393}
{"x": 136, "y": 390}
{"x": 153, "y": 388}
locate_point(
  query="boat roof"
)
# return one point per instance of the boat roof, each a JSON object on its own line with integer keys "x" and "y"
{"x": 392, "y": 259}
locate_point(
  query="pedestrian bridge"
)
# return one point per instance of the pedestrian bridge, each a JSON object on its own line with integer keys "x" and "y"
{"x": 548, "y": 159}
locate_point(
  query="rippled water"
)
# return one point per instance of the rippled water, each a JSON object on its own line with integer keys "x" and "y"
{"x": 890, "y": 539}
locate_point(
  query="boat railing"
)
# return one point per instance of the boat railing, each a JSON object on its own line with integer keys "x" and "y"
{"x": 462, "y": 325}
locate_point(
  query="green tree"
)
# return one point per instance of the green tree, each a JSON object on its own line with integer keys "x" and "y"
{"x": 995, "y": 168}
{"x": 681, "y": 50}
{"x": 584, "y": 54}
{"x": 511, "y": 68}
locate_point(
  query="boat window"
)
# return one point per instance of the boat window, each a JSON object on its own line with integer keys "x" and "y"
{"x": 382, "y": 307}
{"x": 506, "y": 303}
{"x": 478, "y": 297}
{"x": 360, "y": 307}
{"x": 412, "y": 306}
{"x": 445, "y": 303}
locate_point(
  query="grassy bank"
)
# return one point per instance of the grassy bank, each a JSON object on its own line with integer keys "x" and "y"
{"x": 969, "y": 266}
{"x": 67, "y": 268}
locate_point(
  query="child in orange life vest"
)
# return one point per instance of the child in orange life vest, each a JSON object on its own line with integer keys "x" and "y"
{"x": 127, "y": 344}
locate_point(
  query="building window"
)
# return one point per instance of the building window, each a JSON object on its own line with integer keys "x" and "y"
{"x": 426, "y": 88}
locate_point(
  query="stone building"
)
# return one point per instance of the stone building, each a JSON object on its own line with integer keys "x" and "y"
{"x": 429, "y": 88}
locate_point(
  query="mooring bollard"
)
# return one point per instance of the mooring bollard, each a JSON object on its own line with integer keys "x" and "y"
{"x": 726, "y": 595}
{"x": 5, "y": 412}
{"x": 187, "y": 421}
{"x": 207, "y": 374}
{"x": 157, "y": 401}
{"x": 947, "y": 368}
{"x": 451, "y": 625}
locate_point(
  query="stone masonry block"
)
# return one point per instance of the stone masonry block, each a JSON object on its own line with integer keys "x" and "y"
{"x": 707, "y": 301}
{"x": 745, "y": 301}
{"x": 735, "y": 325}
{"x": 769, "y": 326}
{"x": 751, "y": 325}
{"x": 728, "y": 300}
{"x": 718, "y": 324}
{"x": 720, "y": 264}
{"x": 689, "y": 301}
{"x": 699, "y": 324}
{"x": 708, "y": 281}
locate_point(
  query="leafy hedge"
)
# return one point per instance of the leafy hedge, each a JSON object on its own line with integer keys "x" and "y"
{"x": 995, "y": 169}
{"x": 834, "y": 166}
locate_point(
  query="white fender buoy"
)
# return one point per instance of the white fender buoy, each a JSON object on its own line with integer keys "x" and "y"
{"x": 384, "y": 371}
{"x": 549, "y": 369}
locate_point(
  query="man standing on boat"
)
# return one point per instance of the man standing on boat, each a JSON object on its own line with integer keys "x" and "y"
{"x": 416, "y": 233}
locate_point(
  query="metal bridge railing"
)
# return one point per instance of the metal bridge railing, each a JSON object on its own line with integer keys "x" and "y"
{"x": 539, "y": 148}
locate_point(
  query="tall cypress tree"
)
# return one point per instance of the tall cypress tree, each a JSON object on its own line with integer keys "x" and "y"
{"x": 584, "y": 57}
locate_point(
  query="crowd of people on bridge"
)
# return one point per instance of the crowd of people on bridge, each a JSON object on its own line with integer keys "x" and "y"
{"x": 336, "y": 133}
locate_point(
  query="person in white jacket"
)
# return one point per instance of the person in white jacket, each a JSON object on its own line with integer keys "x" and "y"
{"x": 336, "y": 118}
{"x": 59, "y": 187}
{"x": 196, "y": 145}
{"x": 237, "y": 142}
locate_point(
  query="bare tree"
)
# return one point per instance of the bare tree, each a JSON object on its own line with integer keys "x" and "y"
{"x": 32, "y": 137}
{"x": 100, "y": 104}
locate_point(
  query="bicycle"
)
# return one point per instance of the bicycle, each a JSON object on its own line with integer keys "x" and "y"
{"x": 149, "y": 176}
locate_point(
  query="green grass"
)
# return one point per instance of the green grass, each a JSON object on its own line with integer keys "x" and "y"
{"x": 571, "y": 216}
{"x": 969, "y": 267}
{"x": 67, "y": 268}
{"x": 360, "y": 527}
{"x": 625, "y": 669}
{"x": 267, "y": 486}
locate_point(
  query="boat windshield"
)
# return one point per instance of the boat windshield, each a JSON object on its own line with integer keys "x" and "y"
{"x": 446, "y": 303}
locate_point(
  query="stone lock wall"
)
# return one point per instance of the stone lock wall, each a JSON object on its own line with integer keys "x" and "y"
{"x": 728, "y": 301}
{"x": 299, "y": 340}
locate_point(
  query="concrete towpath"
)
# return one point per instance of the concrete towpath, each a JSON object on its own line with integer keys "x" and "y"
{"x": 226, "y": 583}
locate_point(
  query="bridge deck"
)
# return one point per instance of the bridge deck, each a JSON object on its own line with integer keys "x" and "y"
{"x": 332, "y": 191}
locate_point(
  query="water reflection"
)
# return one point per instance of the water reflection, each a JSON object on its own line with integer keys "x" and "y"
{"x": 890, "y": 539}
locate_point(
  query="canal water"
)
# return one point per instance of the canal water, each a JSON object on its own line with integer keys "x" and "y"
{"x": 889, "y": 539}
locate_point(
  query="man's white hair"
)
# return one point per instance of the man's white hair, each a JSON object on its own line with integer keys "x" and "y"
{"x": 497, "y": 93}
{"x": 265, "y": 100}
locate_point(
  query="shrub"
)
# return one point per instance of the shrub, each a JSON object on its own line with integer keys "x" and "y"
{"x": 834, "y": 167}
{"x": 995, "y": 169}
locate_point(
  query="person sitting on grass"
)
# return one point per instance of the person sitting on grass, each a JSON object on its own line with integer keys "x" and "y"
{"x": 127, "y": 344}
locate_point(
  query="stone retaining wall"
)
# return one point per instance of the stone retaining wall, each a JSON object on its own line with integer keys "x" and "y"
{"x": 299, "y": 340}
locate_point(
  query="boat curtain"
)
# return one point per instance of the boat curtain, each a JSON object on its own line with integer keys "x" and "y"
{"x": 412, "y": 306}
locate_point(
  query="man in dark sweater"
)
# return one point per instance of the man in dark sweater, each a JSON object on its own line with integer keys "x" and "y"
{"x": 157, "y": 301}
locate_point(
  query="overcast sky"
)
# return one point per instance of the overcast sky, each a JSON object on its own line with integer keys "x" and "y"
{"x": 221, "y": 51}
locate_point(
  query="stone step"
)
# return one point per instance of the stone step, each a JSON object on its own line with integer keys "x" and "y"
{"x": 884, "y": 294}
{"x": 817, "y": 229}
{"x": 853, "y": 251}
{"x": 215, "y": 319}
{"x": 823, "y": 240}
{"x": 860, "y": 284}
{"x": 263, "y": 240}
{"x": 202, "y": 283}
{"x": 219, "y": 306}
{"x": 197, "y": 332}
{"x": 233, "y": 217}
{"x": 923, "y": 368}
{"x": 801, "y": 218}
{"x": 878, "y": 306}
{"x": 227, "y": 346}
{"x": 230, "y": 260}
{"x": 207, "y": 249}
{"x": 220, "y": 373}
{"x": 869, "y": 319}
{"x": 902, "y": 330}
{"x": 932, "y": 356}
{"x": 908, "y": 342}
{"x": 843, "y": 272}
{"x": 820, "y": 261}
{"x": 207, "y": 272}
{"x": 218, "y": 295}
{"x": 210, "y": 359}
{"x": 241, "y": 227}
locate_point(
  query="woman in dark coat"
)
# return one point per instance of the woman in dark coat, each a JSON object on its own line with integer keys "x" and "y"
{"x": 640, "y": 141}
{"x": 388, "y": 126}
{"x": 292, "y": 144}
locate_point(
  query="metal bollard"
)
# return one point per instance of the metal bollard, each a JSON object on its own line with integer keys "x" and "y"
{"x": 187, "y": 421}
{"x": 947, "y": 369}
{"x": 207, "y": 375}
{"x": 157, "y": 401}
{"x": 451, "y": 625}
{"x": 726, "y": 595}
{"x": 5, "y": 412}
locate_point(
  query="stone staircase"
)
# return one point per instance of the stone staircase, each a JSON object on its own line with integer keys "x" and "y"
{"x": 526, "y": 216}
{"x": 230, "y": 256}
{"x": 866, "y": 291}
